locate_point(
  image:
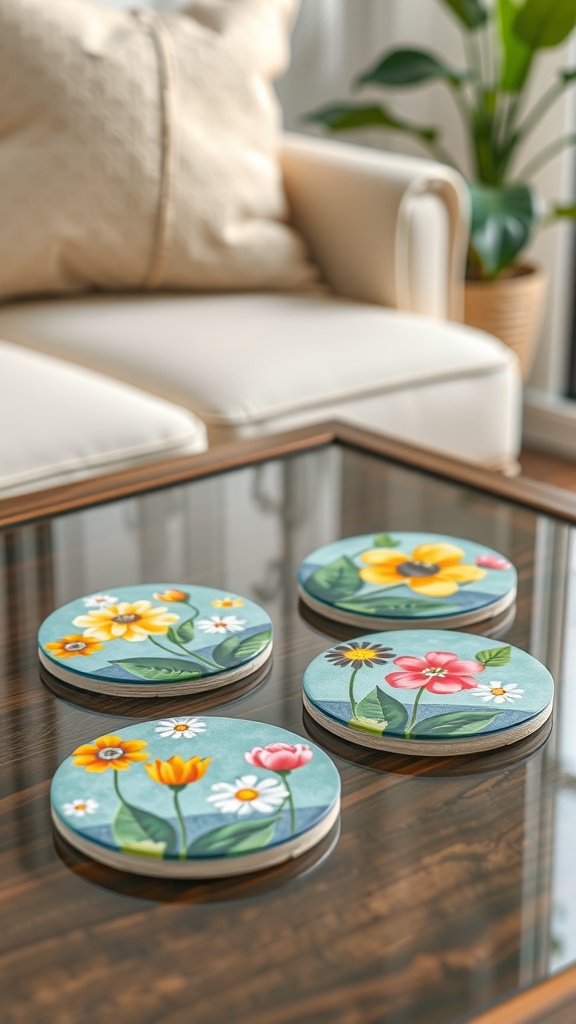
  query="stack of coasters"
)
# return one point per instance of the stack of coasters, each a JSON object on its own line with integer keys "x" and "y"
{"x": 428, "y": 692}
{"x": 407, "y": 579}
{"x": 191, "y": 797}
{"x": 155, "y": 641}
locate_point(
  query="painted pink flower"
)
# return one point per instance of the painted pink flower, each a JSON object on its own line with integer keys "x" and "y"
{"x": 493, "y": 562}
{"x": 437, "y": 671}
{"x": 279, "y": 757}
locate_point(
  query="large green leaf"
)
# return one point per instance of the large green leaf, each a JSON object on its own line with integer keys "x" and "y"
{"x": 454, "y": 723}
{"x": 337, "y": 580}
{"x": 543, "y": 23}
{"x": 503, "y": 219}
{"x": 495, "y": 656}
{"x": 380, "y": 707}
{"x": 229, "y": 840}
{"x": 345, "y": 117}
{"x": 183, "y": 634}
{"x": 472, "y": 13}
{"x": 410, "y": 67}
{"x": 384, "y": 606}
{"x": 516, "y": 56}
{"x": 236, "y": 649}
{"x": 162, "y": 670}
{"x": 384, "y": 540}
{"x": 142, "y": 832}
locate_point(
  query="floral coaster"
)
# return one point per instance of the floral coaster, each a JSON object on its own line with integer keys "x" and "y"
{"x": 195, "y": 797}
{"x": 428, "y": 692}
{"x": 405, "y": 579}
{"x": 156, "y": 640}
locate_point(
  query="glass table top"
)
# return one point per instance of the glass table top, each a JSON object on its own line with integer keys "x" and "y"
{"x": 450, "y": 883}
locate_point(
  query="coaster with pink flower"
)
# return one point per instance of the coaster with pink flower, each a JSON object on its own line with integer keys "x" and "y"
{"x": 156, "y": 640}
{"x": 195, "y": 797}
{"x": 427, "y": 692}
{"x": 407, "y": 579}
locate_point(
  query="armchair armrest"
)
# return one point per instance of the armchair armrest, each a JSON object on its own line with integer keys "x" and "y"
{"x": 383, "y": 228}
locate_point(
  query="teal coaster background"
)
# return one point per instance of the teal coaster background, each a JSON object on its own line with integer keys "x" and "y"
{"x": 331, "y": 575}
{"x": 384, "y": 708}
{"x": 189, "y": 649}
{"x": 154, "y": 819}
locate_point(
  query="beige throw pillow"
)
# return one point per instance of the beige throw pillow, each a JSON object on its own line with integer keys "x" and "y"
{"x": 138, "y": 150}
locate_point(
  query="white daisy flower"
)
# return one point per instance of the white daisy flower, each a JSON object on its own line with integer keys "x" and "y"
{"x": 177, "y": 727}
{"x": 99, "y": 600}
{"x": 78, "y": 808}
{"x": 500, "y": 693}
{"x": 221, "y": 624}
{"x": 247, "y": 794}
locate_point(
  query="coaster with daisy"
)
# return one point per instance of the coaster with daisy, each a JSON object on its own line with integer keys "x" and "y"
{"x": 156, "y": 640}
{"x": 428, "y": 692}
{"x": 400, "y": 579}
{"x": 195, "y": 797}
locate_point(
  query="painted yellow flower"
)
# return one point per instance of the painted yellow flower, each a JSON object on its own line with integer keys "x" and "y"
{"x": 171, "y": 595}
{"x": 434, "y": 570}
{"x": 176, "y": 771}
{"x": 74, "y": 645}
{"x": 227, "y": 602}
{"x": 109, "y": 752}
{"x": 125, "y": 621}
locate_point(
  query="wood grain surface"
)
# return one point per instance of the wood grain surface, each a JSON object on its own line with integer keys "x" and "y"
{"x": 431, "y": 903}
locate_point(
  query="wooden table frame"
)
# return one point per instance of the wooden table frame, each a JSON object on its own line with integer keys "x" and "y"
{"x": 552, "y": 1001}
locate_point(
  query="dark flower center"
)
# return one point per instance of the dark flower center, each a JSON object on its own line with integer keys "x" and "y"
{"x": 77, "y": 645}
{"x": 417, "y": 569}
{"x": 125, "y": 619}
{"x": 110, "y": 753}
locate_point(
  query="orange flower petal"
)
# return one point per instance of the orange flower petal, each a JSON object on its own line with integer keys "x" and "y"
{"x": 381, "y": 575}
{"x": 129, "y": 745}
{"x": 384, "y": 557}
{"x": 86, "y": 748}
{"x": 98, "y": 766}
{"x": 438, "y": 554}
{"x": 461, "y": 573}
{"x": 107, "y": 741}
{"x": 431, "y": 586}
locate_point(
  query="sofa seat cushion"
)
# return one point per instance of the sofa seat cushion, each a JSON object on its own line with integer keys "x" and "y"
{"x": 247, "y": 363}
{"x": 61, "y": 423}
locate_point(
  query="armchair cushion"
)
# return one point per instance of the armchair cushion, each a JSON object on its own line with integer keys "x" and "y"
{"x": 247, "y": 364}
{"x": 139, "y": 150}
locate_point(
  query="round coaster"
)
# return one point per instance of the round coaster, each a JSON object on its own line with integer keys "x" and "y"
{"x": 428, "y": 692}
{"x": 156, "y": 640}
{"x": 191, "y": 797}
{"x": 404, "y": 579}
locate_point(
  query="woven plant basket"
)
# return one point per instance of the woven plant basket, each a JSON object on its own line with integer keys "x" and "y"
{"x": 512, "y": 308}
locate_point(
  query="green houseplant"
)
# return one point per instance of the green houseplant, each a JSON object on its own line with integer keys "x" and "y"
{"x": 502, "y": 41}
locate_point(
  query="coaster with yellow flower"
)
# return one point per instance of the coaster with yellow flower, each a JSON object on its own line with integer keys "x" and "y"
{"x": 195, "y": 797}
{"x": 156, "y": 640}
{"x": 407, "y": 579}
{"x": 428, "y": 692}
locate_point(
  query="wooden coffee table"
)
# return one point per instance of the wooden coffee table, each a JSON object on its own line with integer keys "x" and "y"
{"x": 449, "y": 893}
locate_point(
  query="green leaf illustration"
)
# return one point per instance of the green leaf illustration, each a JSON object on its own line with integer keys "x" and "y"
{"x": 495, "y": 656}
{"x": 379, "y": 706}
{"x": 183, "y": 634}
{"x": 384, "y": 540}
{"x": 162, "y": 670}
{"x": 229, "y": 840}
{"x": 335, "y": 581}
{"x": 142, "y": 832}
{"x": 454, "y": 723}
{"x": 391, "y": 605}
{"x": 237, "y": 649}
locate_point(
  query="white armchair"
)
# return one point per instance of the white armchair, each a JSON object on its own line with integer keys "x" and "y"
{"x": 378, "y": 347}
